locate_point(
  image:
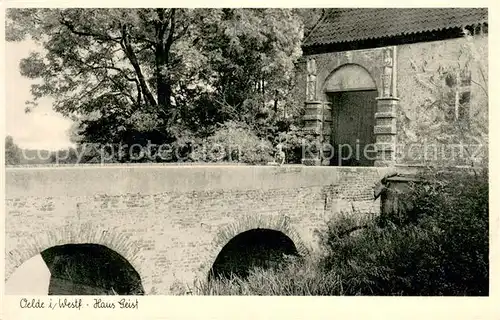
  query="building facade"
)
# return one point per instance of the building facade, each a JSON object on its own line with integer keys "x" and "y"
{"x": 388, "y": 87}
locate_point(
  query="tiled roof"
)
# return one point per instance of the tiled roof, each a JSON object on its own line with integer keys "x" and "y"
{"x": 347, "y": 25}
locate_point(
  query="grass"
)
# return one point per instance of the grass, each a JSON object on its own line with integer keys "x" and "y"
{"x": 299, "y": 278}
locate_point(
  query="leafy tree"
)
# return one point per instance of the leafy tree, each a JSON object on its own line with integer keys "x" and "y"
{"x": 162, "y": 75}
{"x": 12, "y": 152}
{"x": 234, "y": 141}
{"x": 110, "y": 68}
{"x": 251, "y": 53}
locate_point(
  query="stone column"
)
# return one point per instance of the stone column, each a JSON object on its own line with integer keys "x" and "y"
{"x": 316, "y": 113}
{"x": 385, "y": 131}
{"x": 385, "y": 118}
{"x": 326, "y": 132}
{"x": 317, "y": 122}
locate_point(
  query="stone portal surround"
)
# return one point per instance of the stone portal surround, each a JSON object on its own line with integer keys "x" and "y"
{"x": 381, "y": 64}
{"x": 318, "y": 122}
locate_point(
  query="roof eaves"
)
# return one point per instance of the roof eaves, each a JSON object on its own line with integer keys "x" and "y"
{"x": 354, "y": 39}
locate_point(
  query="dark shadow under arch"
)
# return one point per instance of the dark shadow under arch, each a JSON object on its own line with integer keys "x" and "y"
{"x": 255, "y": 248}
{"x": 90, "y": 269}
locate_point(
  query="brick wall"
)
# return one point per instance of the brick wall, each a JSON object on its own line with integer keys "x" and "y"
{"x": 171, "y": 222}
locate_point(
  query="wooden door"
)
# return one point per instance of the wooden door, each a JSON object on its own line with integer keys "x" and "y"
{"x": 353, "y": 123}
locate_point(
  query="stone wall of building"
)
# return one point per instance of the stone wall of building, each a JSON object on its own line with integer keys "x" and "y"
{"x": 423, "y": 107}
{"x": 428, "y": 130}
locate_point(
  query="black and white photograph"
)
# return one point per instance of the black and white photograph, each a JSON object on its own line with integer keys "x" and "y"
{"x": 246, "y": 152}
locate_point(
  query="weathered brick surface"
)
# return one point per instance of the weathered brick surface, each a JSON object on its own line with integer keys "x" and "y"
{"x": 165, "y": 220}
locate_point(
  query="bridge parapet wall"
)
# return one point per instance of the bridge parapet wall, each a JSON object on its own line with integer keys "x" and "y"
{"x": 166, "y": 220}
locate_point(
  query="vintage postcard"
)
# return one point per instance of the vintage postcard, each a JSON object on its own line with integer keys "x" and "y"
{"x": 158, "y": 155}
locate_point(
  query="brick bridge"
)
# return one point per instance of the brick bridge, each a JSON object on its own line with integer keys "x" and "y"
{"x": 169, "y": 223}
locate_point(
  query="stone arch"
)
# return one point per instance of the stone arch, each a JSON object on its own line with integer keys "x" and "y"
{"x": 349, "y": 77}
{"x": 76, "y": 269}
{"x": 83, "y": 269}
{"x": 352, "y": 92}
{"x": 264, "y": 248}
{"x": 370, "y": 61}
{"x": 246, "y": 224}
{"x": 85, "y": 233}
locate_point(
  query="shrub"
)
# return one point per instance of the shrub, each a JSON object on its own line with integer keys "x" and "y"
{"x": 441, "y": 250}
{"x": 290, "y": 137}
{"x": 235, "y": 142}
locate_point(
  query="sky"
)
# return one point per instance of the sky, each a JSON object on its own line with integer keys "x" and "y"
{"x": 40, "y": 129}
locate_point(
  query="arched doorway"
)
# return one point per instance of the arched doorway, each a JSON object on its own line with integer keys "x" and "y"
{"x": 352, "y": 92}
{"x": 255, "y": 248}
{"x": 77, "y": 269}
